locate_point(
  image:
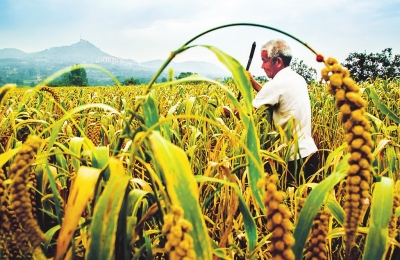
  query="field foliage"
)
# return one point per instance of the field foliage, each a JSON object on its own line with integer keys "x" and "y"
{"x": 113, "y": 161}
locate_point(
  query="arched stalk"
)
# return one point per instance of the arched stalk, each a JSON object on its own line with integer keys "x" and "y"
{"x": 185, "y": 46}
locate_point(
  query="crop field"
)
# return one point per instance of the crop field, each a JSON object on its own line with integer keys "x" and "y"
{"x": 159, "y": 171}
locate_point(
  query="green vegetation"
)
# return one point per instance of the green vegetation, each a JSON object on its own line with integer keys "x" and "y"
{"x": 129, "y": 82}
{"x": 371, "y": 66}
{"x": 211, "y": 143}
{"x": 308, "y": 73}
{"x": 76, "y": 77}
{"x": 184, "y": 75}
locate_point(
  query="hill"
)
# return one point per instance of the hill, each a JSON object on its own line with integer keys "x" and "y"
{"x": 33, "y": 67}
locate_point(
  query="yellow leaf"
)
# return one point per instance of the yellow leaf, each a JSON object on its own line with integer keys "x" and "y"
{"x": 81, "y": 191}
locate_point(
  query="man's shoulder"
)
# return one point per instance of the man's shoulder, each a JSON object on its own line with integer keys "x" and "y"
{"x": 287, "y": 75}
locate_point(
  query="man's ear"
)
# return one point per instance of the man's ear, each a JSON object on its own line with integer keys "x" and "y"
{"x": 279, "y": 62}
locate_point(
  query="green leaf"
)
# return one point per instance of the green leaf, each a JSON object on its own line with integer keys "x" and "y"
{"x": 182, "y": 189}
{"x": 382, "y": 107}
{"x": 333, "y": 155}
{"x": 150, "y": 112}
{"x": 54, "y": 190}
{"x": 49, "y": 236}
{"x": 100, "y": 158}
{"x": 105, "y": 218}
{"x": 313, "y": 204}
{"x": 6, "y": 156}
{"x": 75, "y": 146}
{"x": 62, "y": 162}
{"x": 381, "y": 211}
{"x": 138, "y": 201}
{"x": 336, "y": 209}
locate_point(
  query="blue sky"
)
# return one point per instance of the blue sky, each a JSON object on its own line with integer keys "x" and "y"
{"x": 148, "y": 30}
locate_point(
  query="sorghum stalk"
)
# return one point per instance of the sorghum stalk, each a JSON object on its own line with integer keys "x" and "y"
{"x": 351, "y": 106}
{"x": 317, "y": 247}
{"x": 55, "y": 96}
{"x": 20, "y": 197}
{"x": 279, "y": 223}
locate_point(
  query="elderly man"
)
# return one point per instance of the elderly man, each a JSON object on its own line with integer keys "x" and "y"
{"x": 287, "y": 94}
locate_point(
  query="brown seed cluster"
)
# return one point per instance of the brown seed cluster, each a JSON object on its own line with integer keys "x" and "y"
{"x": 17, "y": 241}
{"x": 52, "y": 92}
{"x": 3, "y": 247}
{"x": 5, "y": 136}
{"x": 20, "y": 197}
{"x": 117, "y": 100}
{"x": 179, "y": 243}
{"x": 32, "y": 193}
{"x": 94, "y": 130}
{"x": 55, "y": 96}
{"x": 3, "y": 215}
{"x": 279, "y": 223}
{"x": 75, "y": 130}
{"x": 317, "y": 248}
{"x": 3, "y": 198}
{"x": 13, "y": 241}
{"x": 358, "y": 137}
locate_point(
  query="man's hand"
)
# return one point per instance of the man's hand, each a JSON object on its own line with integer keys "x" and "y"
{"x": 228, "y": 112}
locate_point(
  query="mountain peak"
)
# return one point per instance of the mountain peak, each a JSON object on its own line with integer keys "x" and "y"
{"x": 80, "y": 52}
{"x": 84, "y": 43}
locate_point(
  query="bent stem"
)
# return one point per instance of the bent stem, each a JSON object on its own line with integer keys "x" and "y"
{"x": 185, "y": 47}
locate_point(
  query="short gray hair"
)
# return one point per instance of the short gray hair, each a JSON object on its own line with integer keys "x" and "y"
{"x": 278, "y": 48}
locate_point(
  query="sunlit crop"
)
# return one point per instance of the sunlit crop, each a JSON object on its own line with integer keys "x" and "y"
{"x": 159, "y": 171}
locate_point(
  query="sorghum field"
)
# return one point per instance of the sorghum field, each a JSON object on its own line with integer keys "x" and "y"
{"x": 159, "y": 171}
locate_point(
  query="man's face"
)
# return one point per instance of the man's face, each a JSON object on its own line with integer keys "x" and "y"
{"x": 268, "y": 66}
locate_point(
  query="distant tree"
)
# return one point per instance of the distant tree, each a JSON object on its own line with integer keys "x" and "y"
{"x": 227, "y": 80}
{"x": 1, "y": 80}
{"x": 129, "y": 82}
{"x": 77, "y": 76}
{"x": 308, "y": 73}
{"x": 184, "y": 75}
{"x": 364, "y": 66}
{"x": 164, "y": 79}
{"x": 32, "y": 84}
{"x": 261, "y": 79}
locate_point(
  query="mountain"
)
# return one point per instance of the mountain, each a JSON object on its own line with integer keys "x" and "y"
{"x": 12, "y": 53}
{"x": 80, "y": 52}
{"x": 33, "y": 67}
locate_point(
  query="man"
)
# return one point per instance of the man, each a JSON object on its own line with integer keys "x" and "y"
{"x": 287, "y": 94}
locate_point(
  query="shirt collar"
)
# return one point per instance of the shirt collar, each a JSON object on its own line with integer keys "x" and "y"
{"x": 282, "y": 72}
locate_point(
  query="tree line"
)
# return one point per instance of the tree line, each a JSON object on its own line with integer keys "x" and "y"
{"x": 362, "y": 67}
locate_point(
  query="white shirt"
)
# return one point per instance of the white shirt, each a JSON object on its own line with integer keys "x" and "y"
{"x": 288, "y": 91}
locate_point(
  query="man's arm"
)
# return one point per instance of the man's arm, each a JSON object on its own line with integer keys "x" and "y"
{"x": 256, "y": 86}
